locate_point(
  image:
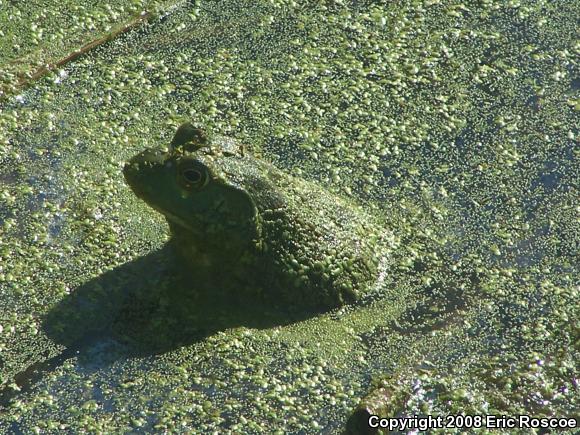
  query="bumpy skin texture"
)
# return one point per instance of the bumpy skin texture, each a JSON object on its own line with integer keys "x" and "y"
{"x": 247, "y": 231}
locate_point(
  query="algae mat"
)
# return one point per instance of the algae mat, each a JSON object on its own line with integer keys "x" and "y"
{"x": 455, "y": 121}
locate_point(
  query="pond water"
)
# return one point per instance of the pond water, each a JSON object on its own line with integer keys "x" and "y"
{"x": 456, "y": 123}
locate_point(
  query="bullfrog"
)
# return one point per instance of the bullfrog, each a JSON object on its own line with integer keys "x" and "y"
{"x": 248, "y": 231}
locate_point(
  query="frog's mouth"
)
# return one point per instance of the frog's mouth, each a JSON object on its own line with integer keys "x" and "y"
{"x": 192, "y": 224}
{"x": 196, "y": 228}
{"x": 181, "y": 222}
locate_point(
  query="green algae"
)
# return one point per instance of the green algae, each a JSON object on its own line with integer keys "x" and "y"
{"x": 38, "y": 37}
{"x": 456, "y": 121}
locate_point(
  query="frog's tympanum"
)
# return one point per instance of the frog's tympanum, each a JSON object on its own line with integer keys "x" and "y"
{"x": 249, "y": 232}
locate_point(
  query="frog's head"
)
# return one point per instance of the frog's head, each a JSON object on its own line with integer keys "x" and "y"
{"x": 188, "y": 186}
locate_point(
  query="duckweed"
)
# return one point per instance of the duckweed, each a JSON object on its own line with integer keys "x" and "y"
{"x": 446, "y": 118}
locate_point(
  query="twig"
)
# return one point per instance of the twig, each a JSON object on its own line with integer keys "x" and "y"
{"x": 42, "y": 71}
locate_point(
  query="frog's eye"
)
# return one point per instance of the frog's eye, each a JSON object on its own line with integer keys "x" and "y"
{"x": 193, "y": 175}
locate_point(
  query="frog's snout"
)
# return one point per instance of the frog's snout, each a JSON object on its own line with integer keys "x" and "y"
{"x": 148, "y": 157}
{"x": 145, "y": 159}
{"x": 141, "y": 165}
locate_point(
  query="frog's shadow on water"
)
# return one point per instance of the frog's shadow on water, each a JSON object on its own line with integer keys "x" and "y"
{"x": 144, "y": 308}
{"x": 141, "y": 308}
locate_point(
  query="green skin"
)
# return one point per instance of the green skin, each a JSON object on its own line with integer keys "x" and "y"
{"x": 247, "y": 231}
